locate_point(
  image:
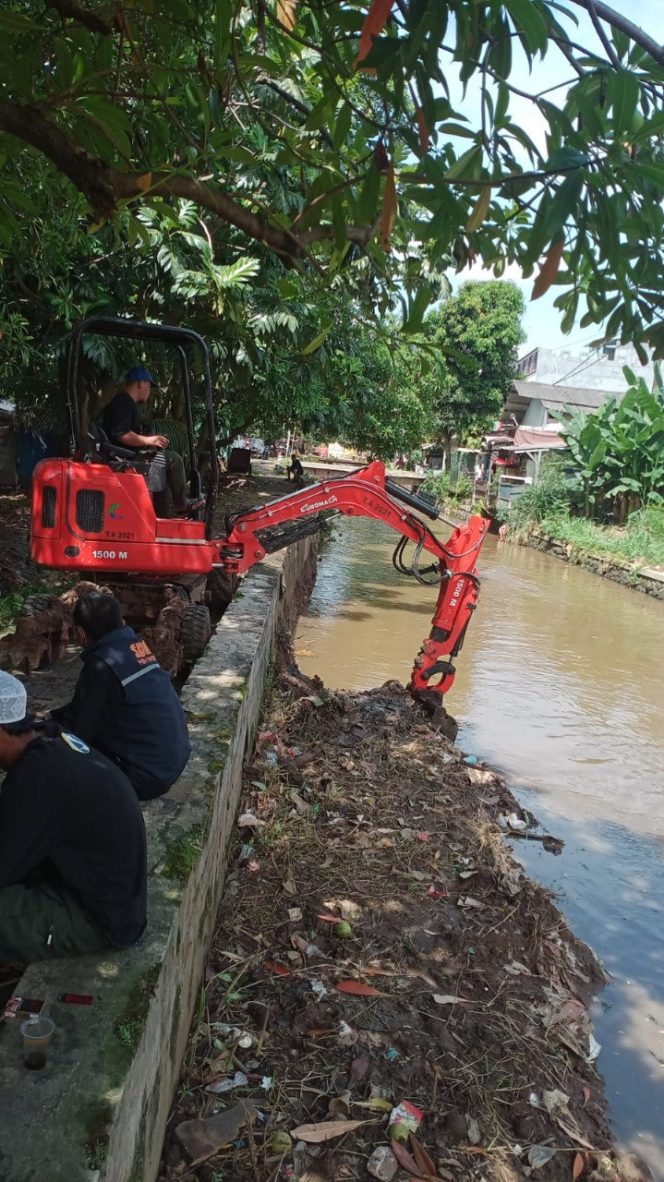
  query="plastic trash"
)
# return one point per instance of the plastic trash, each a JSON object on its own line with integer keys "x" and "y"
{"x": 404, "y": 1120}
{"x": 239, "y": 1080}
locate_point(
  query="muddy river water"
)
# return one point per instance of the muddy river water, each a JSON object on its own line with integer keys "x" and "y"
{"x": 561, "y": 686}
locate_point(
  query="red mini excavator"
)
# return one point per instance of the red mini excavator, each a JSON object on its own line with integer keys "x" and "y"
{"x": 93, "y": 514}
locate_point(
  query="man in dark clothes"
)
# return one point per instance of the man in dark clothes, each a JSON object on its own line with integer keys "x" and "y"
{"x": 73, "y": 863}
{"x": 124, "y": 703}
{"x": 121, "y": 423}
{"x": 297, "y": 470}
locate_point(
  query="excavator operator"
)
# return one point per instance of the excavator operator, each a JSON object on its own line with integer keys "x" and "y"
{"x": 121, "y": 423}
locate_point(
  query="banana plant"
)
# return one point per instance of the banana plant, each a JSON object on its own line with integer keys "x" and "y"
{"x": 619, "y": 449}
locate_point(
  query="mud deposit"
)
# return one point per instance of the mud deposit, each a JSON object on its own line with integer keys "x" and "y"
{"x": 378, "y": 944}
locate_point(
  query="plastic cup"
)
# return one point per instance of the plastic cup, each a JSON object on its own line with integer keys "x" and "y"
{"x": 37, "y": 1035}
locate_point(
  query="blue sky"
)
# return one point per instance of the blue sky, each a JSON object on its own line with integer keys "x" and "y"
{"x": 542, "y": 320}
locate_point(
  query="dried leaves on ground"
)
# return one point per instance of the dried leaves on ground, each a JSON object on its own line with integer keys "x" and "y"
{"x": 361, "y": 971}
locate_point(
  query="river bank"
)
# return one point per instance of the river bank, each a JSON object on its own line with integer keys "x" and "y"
{"x": 648, "y": 580}
{"x": 379, "y": 944}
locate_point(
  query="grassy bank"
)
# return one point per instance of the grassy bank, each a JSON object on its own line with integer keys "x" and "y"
{"x": 640, "y": 543}
{"x": 553, "y": 507}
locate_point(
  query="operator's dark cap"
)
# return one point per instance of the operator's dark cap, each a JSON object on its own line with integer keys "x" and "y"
{"x": 140, "y": 374}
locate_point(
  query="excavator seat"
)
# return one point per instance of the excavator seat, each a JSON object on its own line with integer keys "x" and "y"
{"x": 148, "y": 461}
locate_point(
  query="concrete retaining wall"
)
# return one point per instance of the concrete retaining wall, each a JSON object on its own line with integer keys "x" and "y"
{"x": 644, "y": 579}
{"x": 98, "y": 1110}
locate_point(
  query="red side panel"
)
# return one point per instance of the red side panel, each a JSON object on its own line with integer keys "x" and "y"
{"x": 86, "y": 517}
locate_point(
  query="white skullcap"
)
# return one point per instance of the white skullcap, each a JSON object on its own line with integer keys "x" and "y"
{"x": 13, "y": 699}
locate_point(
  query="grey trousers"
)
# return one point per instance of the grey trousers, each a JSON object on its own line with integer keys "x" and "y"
{"x": 177, "y": 478}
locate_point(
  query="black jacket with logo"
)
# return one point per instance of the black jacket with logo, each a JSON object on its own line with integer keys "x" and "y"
{"x": 126, "y": 706}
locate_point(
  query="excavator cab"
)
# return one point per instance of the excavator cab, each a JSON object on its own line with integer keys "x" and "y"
{"x": 96, "y": 510}
{"x": 95, "y": 514}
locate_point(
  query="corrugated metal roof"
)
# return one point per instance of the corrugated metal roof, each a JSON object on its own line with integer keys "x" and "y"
{"x": 556, "y": 396}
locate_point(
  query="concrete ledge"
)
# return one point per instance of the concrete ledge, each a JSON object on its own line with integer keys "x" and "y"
{"x": 99, "y": 1107}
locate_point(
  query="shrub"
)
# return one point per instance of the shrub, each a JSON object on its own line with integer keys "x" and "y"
{"x": 554, "y": 495}
{"x": 448, "y": 488}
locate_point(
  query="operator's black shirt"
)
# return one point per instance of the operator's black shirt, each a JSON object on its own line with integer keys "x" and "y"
{"x": 73, "y": 816}
{"x": 120, "y": 417}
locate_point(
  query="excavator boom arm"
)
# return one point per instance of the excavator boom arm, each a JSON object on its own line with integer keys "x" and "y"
{"x": 254, "y": 532}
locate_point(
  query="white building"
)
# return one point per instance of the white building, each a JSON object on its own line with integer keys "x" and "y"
{"x": 591, "y": 369}
{"x": 537, "y": 404}
{"x": 555, "y": 384}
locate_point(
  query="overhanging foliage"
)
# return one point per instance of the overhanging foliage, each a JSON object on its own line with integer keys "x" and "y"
{"x": 330, "y": 132}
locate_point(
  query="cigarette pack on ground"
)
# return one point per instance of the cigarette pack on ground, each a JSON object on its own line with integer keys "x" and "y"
{"x": 23, "y": 1007}
{"x": 404, "y": 1120}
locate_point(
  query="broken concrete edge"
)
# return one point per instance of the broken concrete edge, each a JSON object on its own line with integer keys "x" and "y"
{"x": 638, "y": 578}
{"x": 102, "y": 1101}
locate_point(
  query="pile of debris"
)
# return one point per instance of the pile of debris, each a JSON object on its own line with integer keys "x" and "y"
{"x": 386, "y": 991}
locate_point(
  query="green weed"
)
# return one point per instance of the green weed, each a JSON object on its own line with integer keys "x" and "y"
{"x": 640, "y": 542}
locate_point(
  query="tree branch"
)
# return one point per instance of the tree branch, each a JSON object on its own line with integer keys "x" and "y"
{"x": 599, "y": 29}
{"x": 297, "y": 103}
{"x": 90, "y": 20}
{"x": 618, "y": 21}
{"x": 104, "y": 187}
{"x": 360, "y": 235}
{"x": 88, "y": 173}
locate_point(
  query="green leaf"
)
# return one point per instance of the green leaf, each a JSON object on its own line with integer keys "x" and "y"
{"x": 240, "y": 272}
{"x": 565, "y": 158}
{"x": 222, "y": 32}
{"x": 480, "y": 209}
{"x": 649, "y": 170}
{"x": 502, "y": 104}
{"x": 14, "y": 22}
{"x": 367, "y": 203}
{"x": 468, "y": 166}
{"x": 238, "y": 155}
{"x": 457, "y": 130}
{"x": 621, "y": 41}
{"x": 625, "y": 92}
{"x": 342, "y": 126}
{"x": 316, "y": 342}
{"x": 598, "y": 455}
{"x": 563, "y": 205}
{"x": 338, "y": 221}
{"x": 500, "y": 53}
{"x": 321, "y": 113}
{"x": 529, "y": 21}
{"x": 111, "y": 120}
{"x": 417, "y": 307}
